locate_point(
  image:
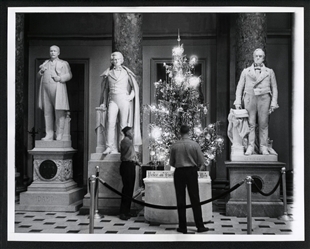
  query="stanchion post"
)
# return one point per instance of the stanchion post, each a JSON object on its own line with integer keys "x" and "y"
{"x": 97, "y": 215}
{"x": 285, "y": 215}
{"x": 92, "y": 203}
{"x": 249, "y": 204}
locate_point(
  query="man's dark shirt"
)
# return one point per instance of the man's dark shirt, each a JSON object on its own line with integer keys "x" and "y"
{"x": 127, "y": 150}
{"x": 186, "y": 153}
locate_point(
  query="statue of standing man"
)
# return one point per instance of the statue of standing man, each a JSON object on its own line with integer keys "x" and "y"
{"x": 257, "y": 91}
{"x": 120, "y": 101}
{"x": 53, "y": 96}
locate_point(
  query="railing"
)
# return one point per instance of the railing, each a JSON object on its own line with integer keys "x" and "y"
{"x": 94, "y": 187}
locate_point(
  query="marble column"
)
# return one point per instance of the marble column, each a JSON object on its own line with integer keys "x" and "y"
{"x": 251, "y": 33}
{"x": 21, "y": 106}
{"x": 127, "y": 39}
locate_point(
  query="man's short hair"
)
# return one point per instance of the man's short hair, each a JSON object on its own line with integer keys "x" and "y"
{"x": 258, "y": 49}
{"x": 127, "y": 128}
{"x": 55, "y": 47}
{"x": 184, "y": 129}
{"x": 119, "y": 54}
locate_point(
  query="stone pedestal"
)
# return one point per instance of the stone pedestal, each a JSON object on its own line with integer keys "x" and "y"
{"x": 238, "y": 156}
{"x": 53, "y": 188}
{"x": 266, "y": 175}
{"x": 159, "y": 190}
{"x": 108, "y": 201}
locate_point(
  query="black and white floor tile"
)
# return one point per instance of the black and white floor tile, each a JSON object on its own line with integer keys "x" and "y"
{"x": 73, "y": 222}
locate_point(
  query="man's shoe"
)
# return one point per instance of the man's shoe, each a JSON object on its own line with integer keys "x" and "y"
{"x": 264, "y": 151}
{"x": 59, "y": 137}
{"x": 47, "y": 138}
{"x": 249, "y": 151}
{"x": 107, "y": 151}
{"x": 182, "y": 230}
{"x": 131, "y": 215}
{"x": 123, "y": 217}
{"x": 202, "y": 229}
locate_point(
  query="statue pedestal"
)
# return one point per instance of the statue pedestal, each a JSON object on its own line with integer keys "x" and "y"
{"x": 240, "y": 157}
{"x": 159, "y": 190}
{"x": 108, "y": 201}
{"x": 53, "y": 188}
{"x": 266, "y": 176}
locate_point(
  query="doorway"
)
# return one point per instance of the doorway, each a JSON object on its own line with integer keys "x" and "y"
{"x": 78, "y": 112}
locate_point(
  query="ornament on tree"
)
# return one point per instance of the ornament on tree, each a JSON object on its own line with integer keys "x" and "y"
{"x": 180, "y": 101}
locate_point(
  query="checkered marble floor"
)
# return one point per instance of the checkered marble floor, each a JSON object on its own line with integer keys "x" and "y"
{"x": 73, "y": 222}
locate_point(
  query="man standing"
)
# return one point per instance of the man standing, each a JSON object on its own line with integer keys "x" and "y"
{"x": 120, "y": 97}
{"x": 128, "y": 172}
{"x": 53, "y": 96}
{"x": 257, "y": 89}
{"x": 187, "y": 158}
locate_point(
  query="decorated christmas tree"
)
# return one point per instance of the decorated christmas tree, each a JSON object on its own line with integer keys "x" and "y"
{"x": 179, "y": 100}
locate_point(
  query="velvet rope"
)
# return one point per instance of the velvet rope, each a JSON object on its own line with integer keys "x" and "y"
{"x": 273, "y": 190}
{"x": 170, "y": 207}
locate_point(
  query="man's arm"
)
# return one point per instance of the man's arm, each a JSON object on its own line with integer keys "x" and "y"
{"x": 201, "y": 160}
{"x": 239, "y": 91}
{"x": 131, "y": 95}
{"x": 172, "y": 157}
{"x": 274, "y": 90}
{"x": 65, "y": 74}
{"x": 104, "y": 92}
{"x": 200, "y": 157}
{"x": 43, "y": 68}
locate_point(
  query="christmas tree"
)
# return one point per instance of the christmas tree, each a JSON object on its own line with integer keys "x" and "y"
{"x": 179, "y": 100}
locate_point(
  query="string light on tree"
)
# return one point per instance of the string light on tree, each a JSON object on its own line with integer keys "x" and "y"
{"x": 193, "y": 60}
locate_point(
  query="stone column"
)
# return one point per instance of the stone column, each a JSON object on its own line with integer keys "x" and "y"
{"x": 21, "y": 106}
{"x": 127, "y": 39}
{"x": 251, "y": 33}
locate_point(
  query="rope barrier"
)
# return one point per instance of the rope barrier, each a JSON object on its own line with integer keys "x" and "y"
{"x": 92, "y": 181}
{"x": 93, "y": 186}
{"x": 97, "y": 215}
{"x": 249, "y": 181}
{"x": 285, "y": 215}
{"x": 189, "y": 206}
{"x": 275, "y": 187}
{"x": 271, "y": 192}
{"x": 170, "y": 207}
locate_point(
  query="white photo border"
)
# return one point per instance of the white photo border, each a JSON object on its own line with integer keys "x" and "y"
{"x": 298, "y": 228}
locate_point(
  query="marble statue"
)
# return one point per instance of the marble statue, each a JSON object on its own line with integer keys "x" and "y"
{"x": 257, "y": 92}
{"x": 53, "y": 96}
{"x": 119, "y": 104}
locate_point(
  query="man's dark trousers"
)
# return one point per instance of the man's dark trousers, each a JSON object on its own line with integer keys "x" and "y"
{"x": 128, "y": 173}
{"x": 187, "y": 176}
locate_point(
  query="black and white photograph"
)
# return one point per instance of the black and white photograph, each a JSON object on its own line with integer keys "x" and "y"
{"x": 150, "y": 124}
